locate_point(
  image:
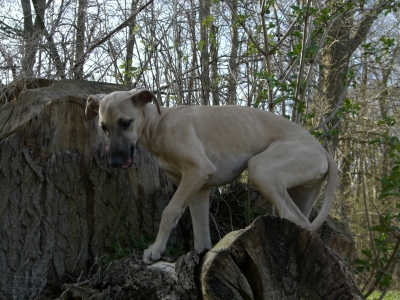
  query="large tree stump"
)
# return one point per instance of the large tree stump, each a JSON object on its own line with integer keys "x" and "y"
{"x": 61, "y": 205}
{"x": 271, "y": 259}
{"x": 275, "y": 259}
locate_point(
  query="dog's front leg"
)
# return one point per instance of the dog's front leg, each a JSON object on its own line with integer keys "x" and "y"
{"x": 191, "y": 183}
{"x": 199, "y": 210}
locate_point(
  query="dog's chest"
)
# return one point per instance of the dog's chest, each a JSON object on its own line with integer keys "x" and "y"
{"x": 172, "y": 173}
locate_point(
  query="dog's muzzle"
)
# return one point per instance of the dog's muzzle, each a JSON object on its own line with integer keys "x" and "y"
{"x": 120, "y": 159}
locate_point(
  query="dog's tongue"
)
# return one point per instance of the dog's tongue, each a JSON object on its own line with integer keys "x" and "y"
{"x": 127, "y": 163}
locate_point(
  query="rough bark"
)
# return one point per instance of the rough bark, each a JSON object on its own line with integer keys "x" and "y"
{"x": 61, "y": 205}
{"x": 334, "y": 234}
{"x": 271, "y": 259}
{"x": 337, "y": 236}
{"x": 128, "y": 278}
{"x": 275, "y": 259}
{"x": 347, "y": 36}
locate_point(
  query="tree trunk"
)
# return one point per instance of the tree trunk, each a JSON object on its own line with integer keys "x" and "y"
{"x": 61, "y": 206}
{"x": 40, "y": 8}
{"x": 193, "y": 64}
{"x": 204, "y": 13}
{"x": 271, "y": 259}
{"x": 233, "y": 57}
{"x": 30, "y": 44}
{"x": 347, "y": 37}
{"x": 80, "y": 39}
{"x": 214, "y": 64}
{"x": 129, "y": 46}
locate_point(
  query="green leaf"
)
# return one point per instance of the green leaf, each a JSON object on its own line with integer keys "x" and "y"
{"x": 295, "y": 8}
{"x": 207, "y": 21}
{"x": 385, "y": 278}
{"x": 362, "y": 265}
{"x": 374, "y": 141}
{"x": 359, "y": 261}
{"x": 379, "y": 228}
{"x": 278, "y": 100}
{"x": 367, "y": 253}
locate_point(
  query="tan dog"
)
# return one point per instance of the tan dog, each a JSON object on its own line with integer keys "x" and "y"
{"x": 200, "y": 147}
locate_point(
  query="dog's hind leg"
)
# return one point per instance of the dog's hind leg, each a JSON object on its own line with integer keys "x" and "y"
{"x": 278, "y": 168}
{"x": 199, "y": 210}
{"x": 305, "y": 196}
{"x": 280, "y": 198}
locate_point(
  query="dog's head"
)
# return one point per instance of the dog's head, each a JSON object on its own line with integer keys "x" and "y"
{"x": 121, "y": 119}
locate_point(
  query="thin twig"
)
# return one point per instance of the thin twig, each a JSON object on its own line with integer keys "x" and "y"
{"x": 245, "y": 29}
{"x": 267, "y": 55}
{"x": 116, "y": 29}
{"x": 302, "y": 62}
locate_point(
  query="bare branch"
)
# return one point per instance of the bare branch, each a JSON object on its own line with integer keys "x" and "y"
{"x": 118, "y": 28}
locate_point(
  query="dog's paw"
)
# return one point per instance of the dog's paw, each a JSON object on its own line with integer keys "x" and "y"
{"x": 151, "y": 255}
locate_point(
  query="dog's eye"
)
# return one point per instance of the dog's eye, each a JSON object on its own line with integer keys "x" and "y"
{"x": 104, "y": 128}
{"x": 126, "y": 124}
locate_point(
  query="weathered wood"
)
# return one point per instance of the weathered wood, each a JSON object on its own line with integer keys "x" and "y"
{"x": 129, "y": 278}
{"x": 338, "y": 237}
{"x": 61, "y": 205}
{"x": 335, "y": 234}
{"x": 271, "y": 259}
{"x": 275, "y": 259}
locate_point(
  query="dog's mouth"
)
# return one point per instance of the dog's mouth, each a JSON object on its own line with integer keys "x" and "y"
{"x": 127, "y": 164}
{"x": 129, "y": 161}
{"x": 119, "y": 163}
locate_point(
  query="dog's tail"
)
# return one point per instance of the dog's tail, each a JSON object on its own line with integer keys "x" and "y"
{"x": 330, "y": 190}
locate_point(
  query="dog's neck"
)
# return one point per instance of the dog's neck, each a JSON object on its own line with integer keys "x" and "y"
{"x": 151, "y": 121}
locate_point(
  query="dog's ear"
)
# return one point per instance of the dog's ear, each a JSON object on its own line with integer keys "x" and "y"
{"x": 142, "y": 96}
{"x": 92, "y": 106}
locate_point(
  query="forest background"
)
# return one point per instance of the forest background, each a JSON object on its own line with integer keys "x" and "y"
{"x": 331, "y": 66}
